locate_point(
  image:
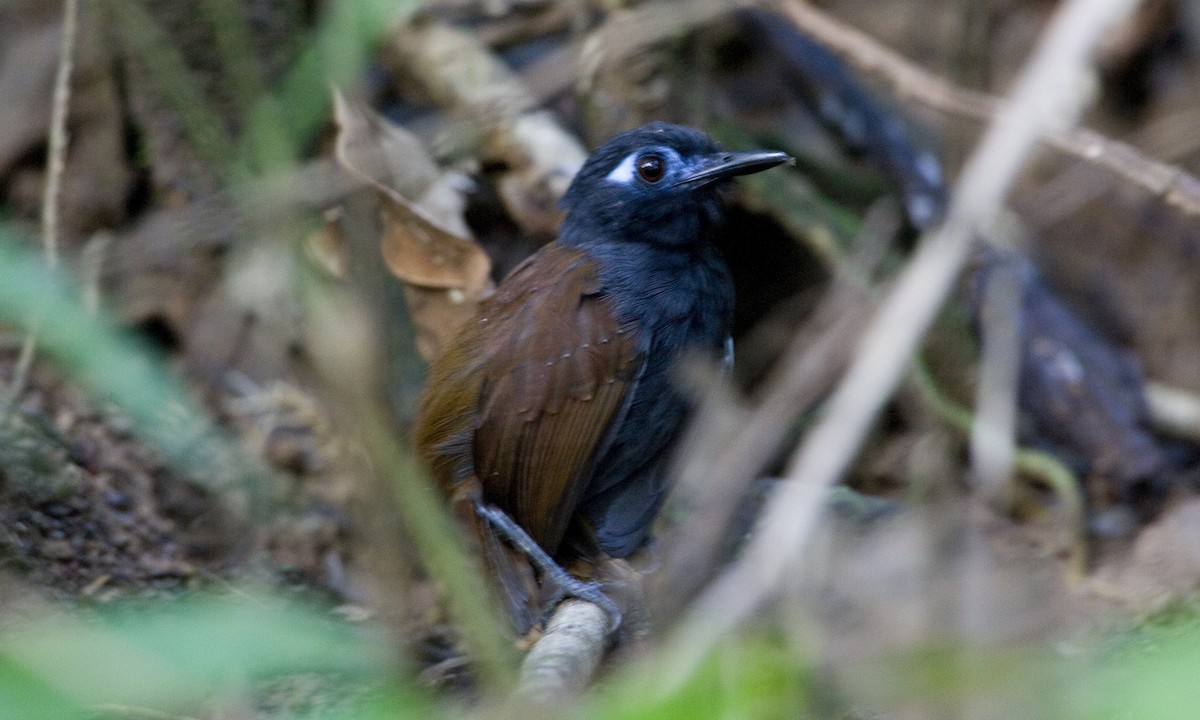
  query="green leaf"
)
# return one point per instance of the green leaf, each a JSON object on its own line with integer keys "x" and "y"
{"x": 753, "y": 676}
{"x": 170, "y": 656}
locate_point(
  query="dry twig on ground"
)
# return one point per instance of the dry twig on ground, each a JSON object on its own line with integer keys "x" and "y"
{"x": 1172, "y": 184}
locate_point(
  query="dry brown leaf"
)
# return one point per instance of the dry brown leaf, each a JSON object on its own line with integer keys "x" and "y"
{"x": 542, "y": 159}
{"x": 466, "y": 79}
{"x": 423, "y": 254}
{"x": 375, "y": 149}
{"x": 426, "y": 243}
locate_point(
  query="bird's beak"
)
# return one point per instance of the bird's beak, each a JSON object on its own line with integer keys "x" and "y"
{"x": 726, "y": 165}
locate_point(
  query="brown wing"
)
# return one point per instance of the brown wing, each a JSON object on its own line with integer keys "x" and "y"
{"x": 557, "y": 368}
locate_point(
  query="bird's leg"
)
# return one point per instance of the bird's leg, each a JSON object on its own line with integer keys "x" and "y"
{"x": 567, "y": 584}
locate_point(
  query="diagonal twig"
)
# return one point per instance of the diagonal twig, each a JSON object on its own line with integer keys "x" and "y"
{"x": 1047, "y": 98}
{"x": 1170, "y": 183}
{"x": 56, "y": 156}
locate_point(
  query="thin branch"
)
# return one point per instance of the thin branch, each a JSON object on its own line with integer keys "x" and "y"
{"x": 1029, "y": 462}
{"x": 57, "y": 154}
{"x": 993, "y": 432}
{"x": 1047, "y": 98}
{"x": 1174, "y": 411}
{"x": 1171, "y": 184}
{"x": 561, "y": 663}
{"x": 55, "y": 164}
{"x": 1168, "y": 138}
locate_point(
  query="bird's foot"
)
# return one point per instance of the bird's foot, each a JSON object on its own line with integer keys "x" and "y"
{"x": 566, "y": 585}
{"x": 569, "y": 586}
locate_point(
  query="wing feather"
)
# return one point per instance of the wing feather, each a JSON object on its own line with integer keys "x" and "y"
{"x": 557, "y": 369}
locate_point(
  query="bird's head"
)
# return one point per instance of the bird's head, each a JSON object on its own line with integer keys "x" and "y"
{"x": 656, "y": 184}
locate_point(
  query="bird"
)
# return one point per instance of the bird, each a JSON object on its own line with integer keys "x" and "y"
{"x": 548, "y": 419}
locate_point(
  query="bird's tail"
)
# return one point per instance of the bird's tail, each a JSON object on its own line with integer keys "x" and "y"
{"x": 510, "y": 573}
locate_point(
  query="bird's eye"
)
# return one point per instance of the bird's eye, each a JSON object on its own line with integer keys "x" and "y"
{"x": 651, "y": 168}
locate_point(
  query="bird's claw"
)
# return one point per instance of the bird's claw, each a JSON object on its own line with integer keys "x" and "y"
{"x": 565, "y": 584}
{"x": 571, "y": 587}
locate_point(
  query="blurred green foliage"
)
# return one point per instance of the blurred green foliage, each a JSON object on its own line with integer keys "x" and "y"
{"x": 171, "y": 656}
{"x": 754, "y": 675}
{"x": 1148, "y": 671}
{"x": 280, "y": 122}
{"x": 112, "y": 363}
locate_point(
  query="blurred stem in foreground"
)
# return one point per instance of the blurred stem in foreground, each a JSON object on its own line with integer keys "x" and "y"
{"x": 1032, "y": 463}
{"x": 341, "y": 342}
{"x": 115, "y": 366}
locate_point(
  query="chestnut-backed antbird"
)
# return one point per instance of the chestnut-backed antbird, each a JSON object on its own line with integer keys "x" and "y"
{"x": 548, "y": 419}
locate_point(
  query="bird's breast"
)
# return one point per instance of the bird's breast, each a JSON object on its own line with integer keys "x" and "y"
{"x": 676, "y": 298}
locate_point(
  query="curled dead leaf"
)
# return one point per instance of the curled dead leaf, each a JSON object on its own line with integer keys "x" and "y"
{"x": 420, "y": 253}
{"x": 380, "y": 152}
{"x": 425, "y": 243}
